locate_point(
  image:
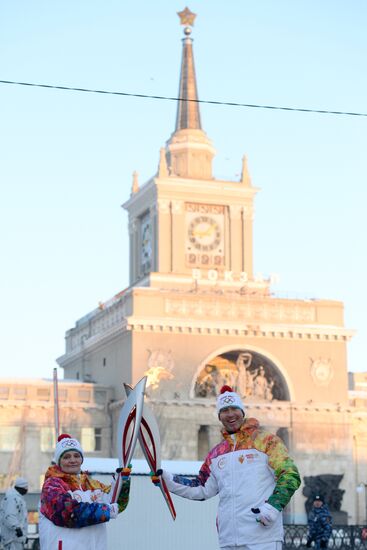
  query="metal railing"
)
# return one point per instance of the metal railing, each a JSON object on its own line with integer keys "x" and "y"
{"x": 343, "y": 536}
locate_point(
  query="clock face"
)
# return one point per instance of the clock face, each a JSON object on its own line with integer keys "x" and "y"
{"x": 204, "y": 235}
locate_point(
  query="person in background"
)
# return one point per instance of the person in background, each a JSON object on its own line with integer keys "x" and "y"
{"x": 319, "y": 524}
{"x": 13, "y": 516}
{"x": 74, "y": 507}
{"x": 253, "y": 474}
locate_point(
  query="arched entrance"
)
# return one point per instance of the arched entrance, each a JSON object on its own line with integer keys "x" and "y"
{"x": 253, "y": 375}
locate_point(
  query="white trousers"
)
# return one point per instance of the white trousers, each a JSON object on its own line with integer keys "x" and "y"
{"x": 261, "y": 546}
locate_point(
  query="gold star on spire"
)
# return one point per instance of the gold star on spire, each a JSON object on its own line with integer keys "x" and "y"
{"x": 186, "y": 17}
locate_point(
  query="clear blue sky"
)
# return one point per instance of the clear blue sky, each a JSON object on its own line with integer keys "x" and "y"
{"x": 66, "y": 158}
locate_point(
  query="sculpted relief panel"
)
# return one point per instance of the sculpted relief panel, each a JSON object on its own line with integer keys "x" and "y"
{"x": 250, "y": 374}
{"x": 160, "y": 365}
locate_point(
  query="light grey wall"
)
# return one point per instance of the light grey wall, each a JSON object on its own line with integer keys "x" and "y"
{"x": 148, "y": 524}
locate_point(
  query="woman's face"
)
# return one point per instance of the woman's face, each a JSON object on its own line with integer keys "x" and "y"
{"x": 70, "y": 462}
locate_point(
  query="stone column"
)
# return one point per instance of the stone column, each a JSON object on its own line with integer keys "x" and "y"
{"x": 164, "y": 240}
{"x": 134, "y": 250}
{"x": 154, "y": 221}
{"x": 247, "y": 224}
{"x": 178, "y": 237}
{"x": 236, "y": 238}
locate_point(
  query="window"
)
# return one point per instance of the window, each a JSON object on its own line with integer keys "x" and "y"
{"x": 203, "y": 442}
{"x": 91, "y": 439}
{"x": 100, "y": 397}
{"x": 33, "y": 520}
{"x": 283, "y": 433}
{"x": 19, "y": 392}
{"x": 43, "y": 394}
{"x": 84, "y": 395}
{"x": 3, "y": 482}
{"x": 9, "y": 437}
{"x": 42, "y": 480}
{"x": 4, "y": 392}
{"x": 62, "y": 394}
{"x": 47, "y": 439}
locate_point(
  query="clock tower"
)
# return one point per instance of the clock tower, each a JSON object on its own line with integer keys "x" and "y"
{"x": 184, "y": 224}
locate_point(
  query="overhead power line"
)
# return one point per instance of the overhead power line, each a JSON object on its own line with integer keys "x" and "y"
{"x": 204, "y": 101}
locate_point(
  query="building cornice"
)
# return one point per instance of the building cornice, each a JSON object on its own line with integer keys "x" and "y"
{"x": 179, "y": 184}
{"x": 93, "y": 342}
{"x": 49, "y": 405}
{"x": 251, "y": 406}
{"x": 236, "y": 328}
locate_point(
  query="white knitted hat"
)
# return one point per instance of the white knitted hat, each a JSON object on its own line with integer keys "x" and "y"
{"x": 21, "y": 482}
{"x": 66, "y": 443}
{"x": 229, "y": 398}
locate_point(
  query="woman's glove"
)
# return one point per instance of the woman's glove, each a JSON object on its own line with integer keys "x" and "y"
{"x": 266, "y": 514}
{"x": 114, "y": 510}
{"x": 123, "y": 498}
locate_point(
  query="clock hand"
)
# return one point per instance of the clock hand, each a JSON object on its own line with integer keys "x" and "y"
{"x": 205, "y": 233}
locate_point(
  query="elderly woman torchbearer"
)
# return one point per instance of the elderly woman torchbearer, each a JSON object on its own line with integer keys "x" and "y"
{"x": 74, "y": 507}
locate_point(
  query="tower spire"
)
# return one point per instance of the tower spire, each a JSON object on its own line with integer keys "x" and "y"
{"x": 188, "y": 113}
{"x": 189, "y": 151}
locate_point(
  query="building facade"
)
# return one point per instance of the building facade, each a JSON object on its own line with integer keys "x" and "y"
{"x": 27, "y": 424}
{"x": 196, "y": 316}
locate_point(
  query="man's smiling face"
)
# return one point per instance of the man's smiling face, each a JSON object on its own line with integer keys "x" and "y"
{"x": 231, "y": 418}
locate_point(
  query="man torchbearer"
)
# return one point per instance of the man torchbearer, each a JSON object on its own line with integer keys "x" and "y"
{"x": 253, "y": 474}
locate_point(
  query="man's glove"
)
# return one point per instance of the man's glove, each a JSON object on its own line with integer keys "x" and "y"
{"x": 19, "y": 532}
{"x": 323, "y": 543}
{"x": 155, "y": 477}
{"x": 266, "y": 514}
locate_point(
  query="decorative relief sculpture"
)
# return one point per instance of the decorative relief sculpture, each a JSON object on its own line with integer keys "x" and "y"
{"x": 245, "y": 380}
{"x": 321, "y": 371}
{"x": 251, "y": 375}
{"x": 160, "y": 366}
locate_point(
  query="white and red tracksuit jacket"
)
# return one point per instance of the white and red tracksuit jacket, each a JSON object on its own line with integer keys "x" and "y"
{"x": 245, "y": 469}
